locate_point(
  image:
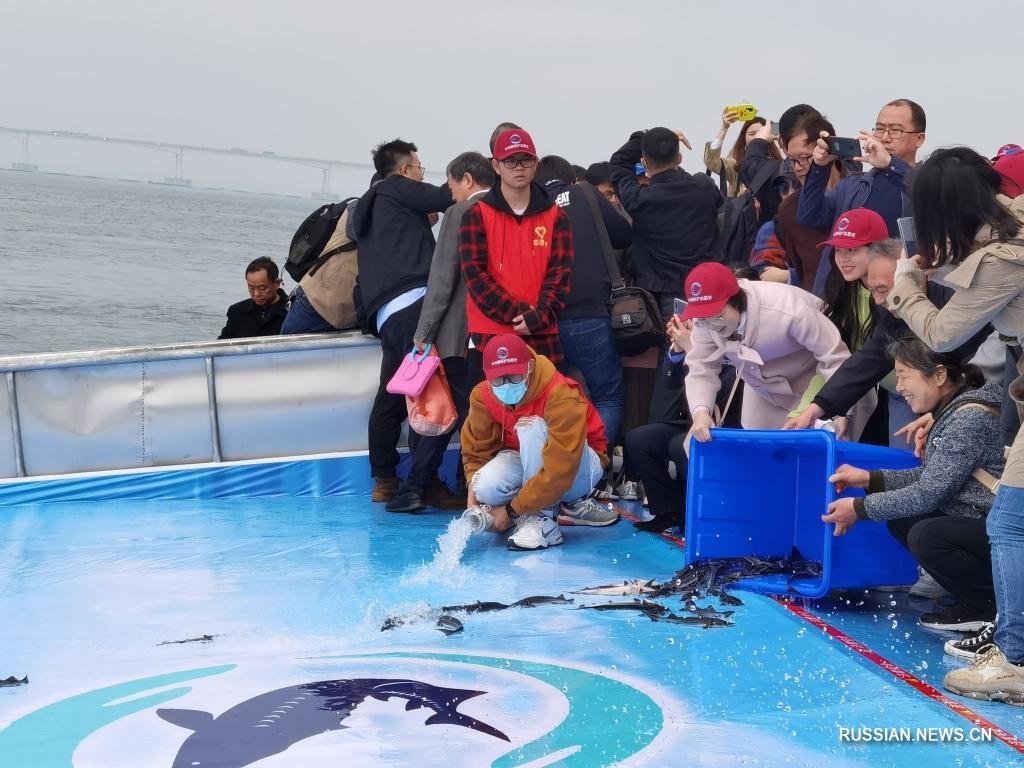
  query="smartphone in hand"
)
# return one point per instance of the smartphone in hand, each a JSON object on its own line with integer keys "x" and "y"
{"x": 845, "y": 149}
{"x": 679, "y": 307}
{"x": 906, "y": 225}
{"x": 776, "y": 131}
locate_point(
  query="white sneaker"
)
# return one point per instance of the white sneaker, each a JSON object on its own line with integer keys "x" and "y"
{"x": 628, "y": 490}
{"x": 537, "y": 531}
{"x": 587, "y": 511}
{"x": 926, "y": 588}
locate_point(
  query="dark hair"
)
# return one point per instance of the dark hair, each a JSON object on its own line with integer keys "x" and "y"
{"x": 954, "y": 196}
{"x": 913, "y": 352}
{"x": 475, "y": 164}
{"x": 916, "y": 112}
{"x": 810, "y": 125}
{"x": 580, "y": 171}
{"x": 738, "y": 301}
{"x": 746, "y": 273}
{"x": 263, "y": 263}
{"x": 660, "y": 146}
{"x": 739, "y": 149}
{"x": 841, "y": 307}
{"x": 552, "y": 168}
{"x": 789, "y": 119}
{"x": 388, "y": 157}
{"x": 500, "y": 129}
{"x": 599, "y": 173}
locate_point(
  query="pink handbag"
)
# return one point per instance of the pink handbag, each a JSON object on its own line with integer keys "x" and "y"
{"x": 413, "y": 374}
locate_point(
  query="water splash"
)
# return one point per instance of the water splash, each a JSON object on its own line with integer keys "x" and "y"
{"x": 447, "y": 563}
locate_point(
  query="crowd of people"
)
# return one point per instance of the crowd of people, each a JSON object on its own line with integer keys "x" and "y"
{"x": 799, "y": 291}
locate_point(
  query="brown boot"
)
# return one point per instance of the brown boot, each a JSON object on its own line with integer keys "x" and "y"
{"x": 384, "y": 488}
{"x": 439, "y": 496}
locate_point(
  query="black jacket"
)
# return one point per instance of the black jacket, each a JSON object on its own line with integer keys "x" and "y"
{"x": 675, "y": 220}
{"x": 245, "y": 319}
{"x": 866, "y": 367}
{"x": 591, "y": 285}
{"x": 395, "y": 239}
{"x": 768, "y": 196}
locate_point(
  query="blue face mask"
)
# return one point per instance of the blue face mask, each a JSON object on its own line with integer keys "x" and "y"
{"x": 510, "y": 394}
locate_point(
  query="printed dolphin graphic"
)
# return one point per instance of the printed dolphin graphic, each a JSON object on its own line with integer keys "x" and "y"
{"x": 271, "y": 722}
{"x": 12, "y": 680}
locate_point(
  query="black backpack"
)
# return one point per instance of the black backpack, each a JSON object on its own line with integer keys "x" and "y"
{"x": 307, "y": 246}
{"x": 737, "y": 220}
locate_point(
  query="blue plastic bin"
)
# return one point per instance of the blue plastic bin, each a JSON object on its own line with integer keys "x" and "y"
{"x": 762, "y": 492}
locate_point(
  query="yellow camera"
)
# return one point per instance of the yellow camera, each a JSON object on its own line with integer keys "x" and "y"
{"x": 744, "y": 112}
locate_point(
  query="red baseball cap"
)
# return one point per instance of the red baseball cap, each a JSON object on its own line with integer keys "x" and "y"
{"x": 514, "y": 141}
{"x": 707, "y": 289}
{"x": 505, "y": 354}
{"x": 858, "y": 227}
{"x": 1007, "y": 149}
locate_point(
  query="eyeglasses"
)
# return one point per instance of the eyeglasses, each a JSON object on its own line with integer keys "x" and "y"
{"x": 511, "y": 378}
{"x": 519, "y": 162}
{"x": 894, "y": 133}
{"x": 802, "y": 160}
{"x": 420, "y": 167}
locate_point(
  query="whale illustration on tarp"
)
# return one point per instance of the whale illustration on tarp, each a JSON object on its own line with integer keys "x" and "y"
{"x": 271, "y": 722}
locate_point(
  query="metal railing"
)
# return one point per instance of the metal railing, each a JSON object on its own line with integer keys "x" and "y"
{"x": 141, "y": 406}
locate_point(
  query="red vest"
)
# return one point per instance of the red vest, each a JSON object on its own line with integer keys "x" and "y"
{"x": 508, "y": 417}
{"x": 517, "y": 259}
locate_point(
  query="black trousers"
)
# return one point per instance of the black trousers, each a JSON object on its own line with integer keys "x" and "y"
{"x": 429, "y": 451}
{"x": 650, "y": 448}
{"x": 955, "y": 551}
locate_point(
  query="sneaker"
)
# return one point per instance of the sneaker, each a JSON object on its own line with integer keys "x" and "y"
{"x": 972, "y": 646}
{"x": 587, "y": 511}
{"x": 605, "y": 491}
{"x": 628, "y": 490}
{"x": 406, "y": 501}
{"x": 989, "y": 677}
{"x": 959, "y": 618}
{"x": 927, "y": 588}
{"x": 384, "y": 489}
{"x": 440, "y": 496}
{"x": 537, "y": 531}
{"x": 657, "y": 524}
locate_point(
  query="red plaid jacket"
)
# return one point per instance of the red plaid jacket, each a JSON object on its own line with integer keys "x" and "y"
{"x": 494, "y": 301}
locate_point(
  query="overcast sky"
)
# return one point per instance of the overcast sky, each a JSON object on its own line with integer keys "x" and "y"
{"x": 331, "y": 79}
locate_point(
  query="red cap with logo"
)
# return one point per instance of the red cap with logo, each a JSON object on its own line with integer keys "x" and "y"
{"x": 505, "y": 354}
{"x": 708, "y": 287}
{"x": 514, "y": 141}
{"x": 858, "y": 227}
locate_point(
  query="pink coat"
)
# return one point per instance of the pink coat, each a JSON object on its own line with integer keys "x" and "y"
{"x": 786, "y": 340}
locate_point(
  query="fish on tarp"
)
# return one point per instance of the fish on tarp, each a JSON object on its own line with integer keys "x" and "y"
{"x": 648, "y": 607}
{"x": 725, "y": 598}
{"x": 449, "y": 625}
{"x": 707, "y": 622}
{"x": 12, "y": 681}
{"x": 625, "y": 589}
{"x": 708, "y": 577}
{"x": 535, "y": 600}
{"x": 707, "y": 610}
{"x": 202, "y": 639}
{"x": 477, "y": 607}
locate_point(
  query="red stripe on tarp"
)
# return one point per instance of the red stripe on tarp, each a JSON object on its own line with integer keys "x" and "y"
{"x": 898, "y": 672}
{"x": 677, "y": 540}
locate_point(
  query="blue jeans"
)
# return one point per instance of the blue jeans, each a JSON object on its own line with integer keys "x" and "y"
{"x": 302, "y": 318}
{"x": 1006, "y": 533}
{"x": 587, "y": 343}
{"x": 500, "y": 479}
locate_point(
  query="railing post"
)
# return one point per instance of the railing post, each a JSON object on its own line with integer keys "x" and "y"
{"x": 12, "y": 404}
{"x": 211, "y": 393}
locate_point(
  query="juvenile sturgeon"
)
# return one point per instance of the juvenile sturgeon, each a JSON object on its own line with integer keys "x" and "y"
{"x": 12, "y": 681}
{"x": 449, "y": 625}
{"x": 476, "y": 607}
{"x": 203, "y": 639}
{"x": 698, "y": 621}
{"x": 648, "y": 607}
{"x": 625, "y": 589}
{"x": 535, "y": 600}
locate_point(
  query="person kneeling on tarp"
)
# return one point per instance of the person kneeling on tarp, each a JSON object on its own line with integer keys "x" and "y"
{"x": 938, "y": 511}
{"x": 533, "y": 447}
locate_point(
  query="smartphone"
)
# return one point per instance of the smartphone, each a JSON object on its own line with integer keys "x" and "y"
{"x": 776, "y": 131}
{"x": 846, "y": 149}
{"x": 744, "y": 112}
{"x": 680, "y": 307}
{"x": 906, "y": 225}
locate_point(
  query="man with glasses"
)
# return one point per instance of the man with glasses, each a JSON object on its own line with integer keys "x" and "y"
{"x": 393, "y": 226}
{"x": 516, "y": 251}
{"x": 891, "y": 151}
{"x": 533, "y": 447}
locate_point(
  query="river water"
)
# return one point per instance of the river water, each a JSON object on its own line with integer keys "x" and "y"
{"x": 91, "y": 263}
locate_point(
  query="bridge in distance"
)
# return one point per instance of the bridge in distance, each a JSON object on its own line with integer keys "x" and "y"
{"x": 178, "y": 150}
